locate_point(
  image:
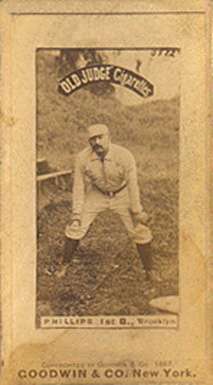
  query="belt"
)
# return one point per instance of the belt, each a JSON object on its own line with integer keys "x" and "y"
{"x": 111, "y": 194}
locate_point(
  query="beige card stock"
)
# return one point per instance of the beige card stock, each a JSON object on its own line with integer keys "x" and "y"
{"x": 142, "y": 68}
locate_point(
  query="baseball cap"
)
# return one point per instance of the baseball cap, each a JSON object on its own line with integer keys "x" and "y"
{"x": 97, "y": 129}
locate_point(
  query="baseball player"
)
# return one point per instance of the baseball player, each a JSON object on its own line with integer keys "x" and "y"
{"x": 106, "y": 178}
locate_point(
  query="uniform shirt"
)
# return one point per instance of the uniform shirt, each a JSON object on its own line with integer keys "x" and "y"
{"x": 117, "y": 168}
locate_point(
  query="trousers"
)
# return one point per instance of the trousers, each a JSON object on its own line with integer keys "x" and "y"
{"x": 96, "y": 202}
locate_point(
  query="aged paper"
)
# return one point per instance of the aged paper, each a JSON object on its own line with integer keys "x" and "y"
{"x": 106, "y": 230}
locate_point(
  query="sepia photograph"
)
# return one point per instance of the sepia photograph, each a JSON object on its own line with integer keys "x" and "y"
{"x": 107, "y": 145}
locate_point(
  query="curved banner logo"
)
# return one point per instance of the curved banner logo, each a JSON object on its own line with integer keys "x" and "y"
{"x": 106, "y": 73}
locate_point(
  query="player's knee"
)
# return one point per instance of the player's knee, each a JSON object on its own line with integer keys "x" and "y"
{"x": 142, "y": 234}
{"x": 74, "y": 233}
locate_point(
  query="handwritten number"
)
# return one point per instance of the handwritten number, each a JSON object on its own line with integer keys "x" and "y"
{"x": 168, "y": 52}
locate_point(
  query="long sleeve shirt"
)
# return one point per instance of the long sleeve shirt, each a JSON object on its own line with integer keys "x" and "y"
{"x": 117, "y": 169}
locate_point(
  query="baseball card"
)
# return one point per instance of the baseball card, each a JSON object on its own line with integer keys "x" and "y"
{"x": 105, "y": 192}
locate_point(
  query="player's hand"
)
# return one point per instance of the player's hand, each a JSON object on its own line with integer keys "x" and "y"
{"x": 141, "y": 217}
{"x": 76, "y": 224}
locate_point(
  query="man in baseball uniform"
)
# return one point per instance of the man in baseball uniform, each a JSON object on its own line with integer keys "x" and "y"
{"x": 106, "y": 178}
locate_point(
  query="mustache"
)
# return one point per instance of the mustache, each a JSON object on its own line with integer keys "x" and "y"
{"x": 97, "y": 147}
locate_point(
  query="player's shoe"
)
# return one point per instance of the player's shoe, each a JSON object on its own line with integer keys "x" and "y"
{"x": 61, "y": 270}
{"x": 154, "y": 276}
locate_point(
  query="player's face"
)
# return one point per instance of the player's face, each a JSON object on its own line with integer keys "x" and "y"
{"x": 100, "y": 143}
